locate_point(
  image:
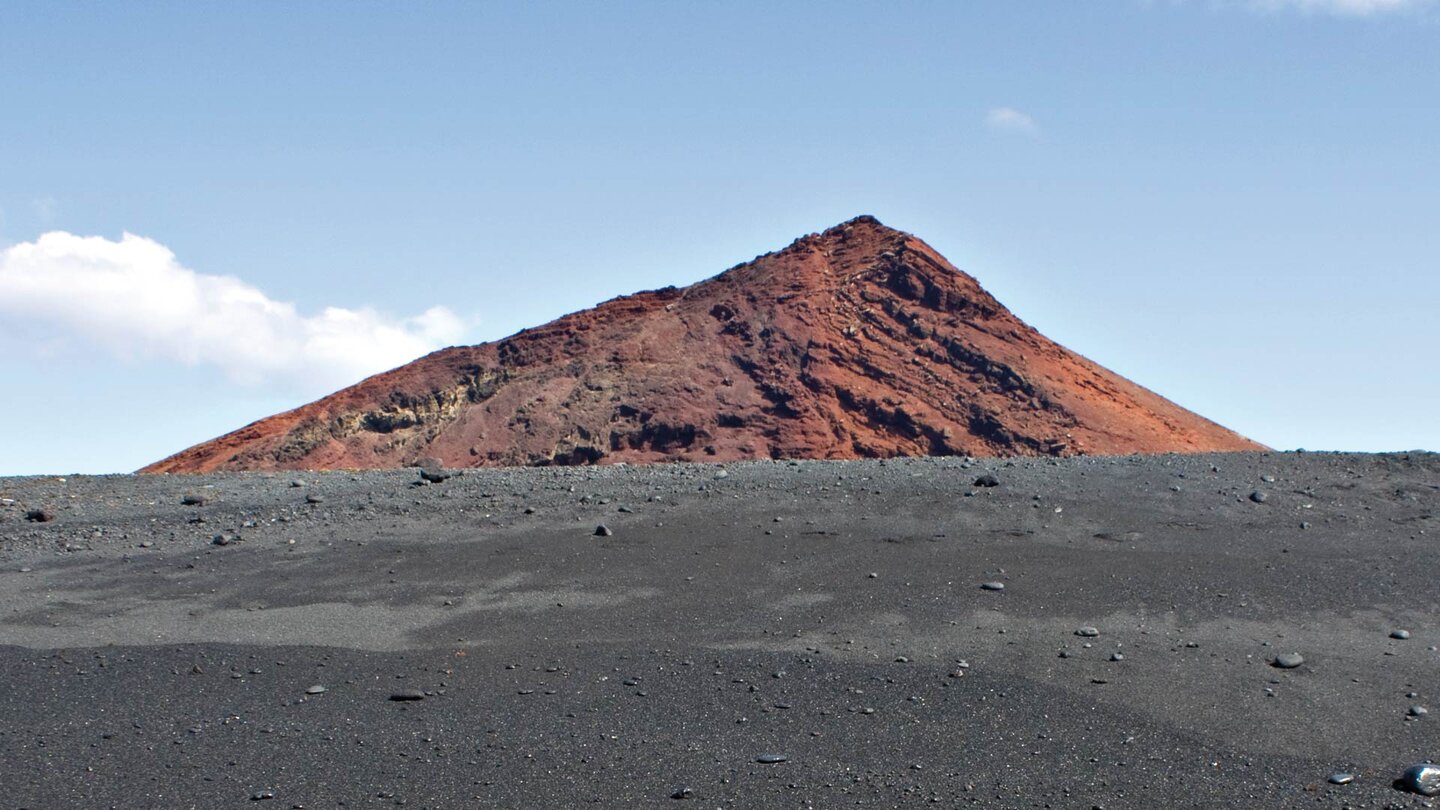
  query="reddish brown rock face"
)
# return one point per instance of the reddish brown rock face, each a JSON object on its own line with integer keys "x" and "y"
{"x": 861, "y": 341}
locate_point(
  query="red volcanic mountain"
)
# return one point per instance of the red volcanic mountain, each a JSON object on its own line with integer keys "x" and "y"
{"x": 858, "y": 342}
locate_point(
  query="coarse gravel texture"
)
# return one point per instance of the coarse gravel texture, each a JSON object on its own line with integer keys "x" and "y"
{"x": 787, "y": 634}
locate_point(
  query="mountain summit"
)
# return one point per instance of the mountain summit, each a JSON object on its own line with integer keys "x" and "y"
{"x": 857, "y": 342}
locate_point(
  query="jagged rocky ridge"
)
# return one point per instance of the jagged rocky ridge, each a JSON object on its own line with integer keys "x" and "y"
{"x": 857, "y": 342}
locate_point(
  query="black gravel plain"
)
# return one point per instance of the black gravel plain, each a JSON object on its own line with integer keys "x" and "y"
{"x": 770, "y": 634}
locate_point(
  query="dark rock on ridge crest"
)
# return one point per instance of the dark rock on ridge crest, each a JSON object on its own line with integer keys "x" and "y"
{"x": 858, "y": 342}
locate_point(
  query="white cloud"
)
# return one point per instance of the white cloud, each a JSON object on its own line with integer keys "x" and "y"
{"x": 1008, "y": 119}
{"x": 1345, "y": 8}
{"x": 133, "y": 300}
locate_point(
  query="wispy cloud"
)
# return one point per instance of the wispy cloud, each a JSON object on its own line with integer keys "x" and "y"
{"x": 46, "y": 209}
{"x": 1343, "y": 8}
{"x": 1009, "y": 119}
{"x": 131, "y": 299}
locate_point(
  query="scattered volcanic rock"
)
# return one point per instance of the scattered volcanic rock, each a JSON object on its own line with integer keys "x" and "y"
{"x": 1422, "y": 778}
{"x": 1288, "y": 661}
{"x": 859, "y": 342}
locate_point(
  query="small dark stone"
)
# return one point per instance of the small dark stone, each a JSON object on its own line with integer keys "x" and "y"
{"x": 682, "y": 793}
{"x": 987, "y": 480}
{"x": 223, "y": 539}
{"x": 992, "y": 586}
{"x": 193, "y": 499}
{"x": 771, "y": 759}
{"x": 1259, "y": 497}
{"x": 407, "y": 694}
{"x": 1417, "y": 711}
{"x": 262, "y": 795}
{"x": 313, "y": 498}
{"x": 603, "y": 531}
{"x": 1340, "y": 778}
{"x": 1087, "y": 632}
{"x": 1400, "y": 634}
{"x": 1422, "y": 778}
{"x": 434, "y": 475}
{"x": 1287, "y": 661}
{"x": 39, "y": 516}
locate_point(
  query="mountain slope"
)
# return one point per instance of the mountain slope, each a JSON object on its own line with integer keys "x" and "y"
{"x": 861, "y": 341}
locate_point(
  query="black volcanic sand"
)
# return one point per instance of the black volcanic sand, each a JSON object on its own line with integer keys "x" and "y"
{"x": 830, "y": 613}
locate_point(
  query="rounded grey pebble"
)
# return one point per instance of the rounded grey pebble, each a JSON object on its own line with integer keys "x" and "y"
{"x": 261, "y": 795}
{"x": 1422, "y": 778}
{"x": 1400, "y": 634}
{"x": 317, "y": 689}
{"x": 1259, "y": 497}
{"x": 1341, "y": 778}
{"x": 313, "y": 498}
{"x": 1417, "y": 711}
{"x": 771, "y": 759}
{"x": 408, "y": 694}
{"x": 992, "y": 586}
{"x": 1087, "y": 632}
{"x": 1288, "y": 660}
{"x": 603, "y": 531}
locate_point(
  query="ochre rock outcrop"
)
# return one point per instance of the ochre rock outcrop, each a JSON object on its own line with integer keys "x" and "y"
{"x": 861, "y": 341}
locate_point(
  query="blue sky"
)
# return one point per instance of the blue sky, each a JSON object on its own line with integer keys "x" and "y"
{"x": 1230, "y": 202}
